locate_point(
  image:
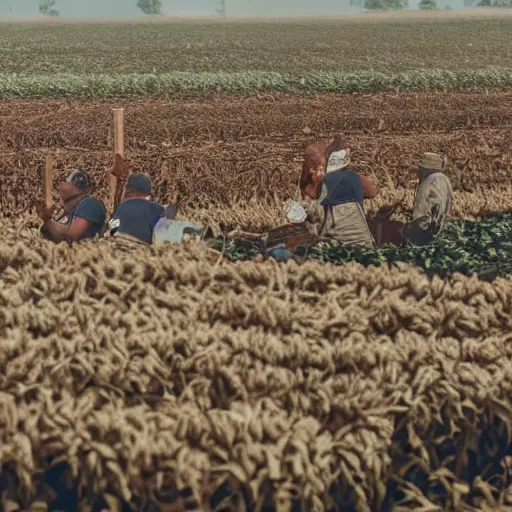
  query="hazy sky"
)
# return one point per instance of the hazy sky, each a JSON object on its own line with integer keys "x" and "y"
{"x": 128, "y": 8}
{"x": 103, "y": 8}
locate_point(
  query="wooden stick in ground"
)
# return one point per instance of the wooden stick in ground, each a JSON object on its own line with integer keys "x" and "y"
{"x": 48, "y": 182}
{"x": 118, "y": 149}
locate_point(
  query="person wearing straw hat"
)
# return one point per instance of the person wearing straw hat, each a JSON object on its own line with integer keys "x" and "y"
{"x": 432, "y": 201}
{"x": 82, "y": 216}
{"x": 333, "y": 200}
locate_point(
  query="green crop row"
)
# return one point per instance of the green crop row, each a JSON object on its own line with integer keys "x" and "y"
{"x": 390, "y": 44}
{"x": 467, "y": 247}
{"x": 144, "y": 85}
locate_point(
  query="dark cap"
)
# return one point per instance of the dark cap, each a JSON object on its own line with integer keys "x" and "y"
{"x": 140, "y": 183}
{"x": 79, "y": 179}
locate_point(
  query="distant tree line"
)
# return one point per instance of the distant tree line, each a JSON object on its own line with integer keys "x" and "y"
{"x": 153, "y": 7}
{"x": 150, "y": 6}
{"x": 46, "y": 7}
{"x": 427, "y": 5}
{"x": 385, "y": 5}
{"x": 495, "y": 3}
{"x": 424, "y": 5}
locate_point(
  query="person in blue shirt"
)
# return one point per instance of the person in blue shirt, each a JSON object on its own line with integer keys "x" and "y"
{"x": 81, "y": 217}
{"x": 137, "y": 215}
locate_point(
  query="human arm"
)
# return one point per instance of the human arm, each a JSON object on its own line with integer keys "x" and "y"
{"x": 158, "y": 212}
{"x": 314, "y": 210}
{"x": 74, "y": 231}
{"x": 121, "y": 171}
{"x": 58, "y": 232}
{"x": 89, "y": 212}
{"x": 370, "y": 190}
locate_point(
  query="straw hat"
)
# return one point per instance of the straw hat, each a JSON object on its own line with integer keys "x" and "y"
{"x": 338, "y": 160}
{"x": 430, "y": 161}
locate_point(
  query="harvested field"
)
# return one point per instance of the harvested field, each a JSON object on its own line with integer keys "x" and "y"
{"x": 165, "y": 378}
{"x": 232, "y": 156}
{"x": 137, "y": 373}
{"x": 147, "y": 48}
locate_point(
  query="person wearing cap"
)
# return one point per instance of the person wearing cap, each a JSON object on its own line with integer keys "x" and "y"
{"x": 316, "y": 163}
{"x": 82, "y": 216}
{"x": 136, "y": 215}
{"x": 432, "y": 201}
{"x": 333, "y": 199}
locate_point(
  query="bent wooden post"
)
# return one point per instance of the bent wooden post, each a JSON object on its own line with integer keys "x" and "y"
{"x": 118, "y": 148}
{"x": 48, "y": 182}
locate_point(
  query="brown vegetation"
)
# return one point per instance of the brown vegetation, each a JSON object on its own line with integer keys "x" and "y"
{"x": 135, "y": 375}
{"x": 247, "y": 152}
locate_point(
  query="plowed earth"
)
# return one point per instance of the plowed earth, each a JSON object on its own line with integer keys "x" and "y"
{"x": 231, "y": 151}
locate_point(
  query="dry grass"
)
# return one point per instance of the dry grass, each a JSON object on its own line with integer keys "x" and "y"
{"x": 136, "y": 374}
{"x": 238, "y": 160}
{"x": 139, "y": 373}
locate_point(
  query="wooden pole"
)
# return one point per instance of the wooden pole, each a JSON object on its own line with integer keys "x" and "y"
{"x": 118, "y": 146}
{"x": 48, "y": 182}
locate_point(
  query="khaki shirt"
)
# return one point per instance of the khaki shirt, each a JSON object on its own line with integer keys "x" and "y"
{"x": 345, "y": 223}
{"x": 433, "y": 201}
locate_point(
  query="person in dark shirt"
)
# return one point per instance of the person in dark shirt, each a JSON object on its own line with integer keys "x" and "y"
{"x": 82, "y": 216}
{"x": 333, "y": 195}
{"x": 137, "y": 215}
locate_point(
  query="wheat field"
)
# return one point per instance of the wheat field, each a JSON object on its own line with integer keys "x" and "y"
{"x": 174, "y": 377}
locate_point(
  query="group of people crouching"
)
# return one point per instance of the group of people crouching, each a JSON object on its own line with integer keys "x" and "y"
{"x": 134, "y": 219}
{"x": 333, "y": 194}
{"x": 330, "y": 206}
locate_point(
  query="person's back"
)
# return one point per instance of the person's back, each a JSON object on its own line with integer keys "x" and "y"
{"x": 432, "y": 201}
{"x": 90, "y": 209}
{"x": 136, "y": 217}
{"x": 342, "y": 197}
{"x": 433, "y": 198}
{"x": 343, "y": 186}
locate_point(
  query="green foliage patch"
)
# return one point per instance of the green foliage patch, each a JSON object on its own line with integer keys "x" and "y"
{"x": 466, "y": 246}
{"x": 139, "y": 85}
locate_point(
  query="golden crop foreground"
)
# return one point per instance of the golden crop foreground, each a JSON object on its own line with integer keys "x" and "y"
{"x": 138, "y": 373}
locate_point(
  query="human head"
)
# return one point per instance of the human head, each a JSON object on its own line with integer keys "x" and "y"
{"x": 76, "y": 184}
{"x": 338, "y": 160}
{"x": 138, "y": 186}
{"x": 429, "y": 161}
{"x": 338, "y": 155}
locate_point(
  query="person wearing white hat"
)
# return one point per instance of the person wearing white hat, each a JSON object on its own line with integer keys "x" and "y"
{"x": 432, "y": 201}
{"x": 334, "y": 200}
